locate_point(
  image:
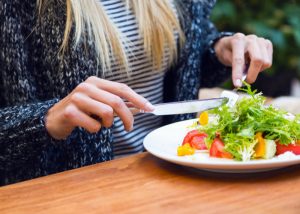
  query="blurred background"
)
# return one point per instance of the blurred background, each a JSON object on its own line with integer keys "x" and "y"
{"x": 276, "y": 20}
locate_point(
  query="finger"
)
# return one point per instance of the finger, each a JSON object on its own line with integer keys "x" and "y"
{"x": 92, "y": 107}
{"x": 269, "y": 50}
{"x": 123, "y": 91}
{"x": 264, "y": 52}
{"x": 111, "y": 100}
{"x": 256, "y": 59}
{"x": 78, "y": 118}
{"x": 129, "y": 104}
{"x": 238, "y": 58}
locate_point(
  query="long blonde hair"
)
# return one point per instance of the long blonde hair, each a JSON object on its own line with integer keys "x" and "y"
{"x": 157, "y": 23}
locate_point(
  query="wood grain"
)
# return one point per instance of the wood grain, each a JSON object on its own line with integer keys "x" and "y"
{"x": 145, "y": 184}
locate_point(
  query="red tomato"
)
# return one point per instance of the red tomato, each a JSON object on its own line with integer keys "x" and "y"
{"x": 195, "y": 139}
{"x": 217, "y": 149}
{"x": 189, "y": 136}
{"x": 294, "y": 148}
{"x": 198, "y": 142}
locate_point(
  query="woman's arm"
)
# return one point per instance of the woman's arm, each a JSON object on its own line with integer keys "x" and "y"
{"x": 22, "y": 132}
{"x": 213, "y": 71}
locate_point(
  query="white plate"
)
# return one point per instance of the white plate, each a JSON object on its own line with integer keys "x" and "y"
{"x": 163, "y": 143}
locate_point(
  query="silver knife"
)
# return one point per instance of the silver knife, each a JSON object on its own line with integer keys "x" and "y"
{"x": 184, "y": 107}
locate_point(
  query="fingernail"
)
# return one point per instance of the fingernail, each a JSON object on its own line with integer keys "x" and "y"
{"x": 149, "y": 106}
{"x": 131, "y": 128}
{"x": 238, "y": 83}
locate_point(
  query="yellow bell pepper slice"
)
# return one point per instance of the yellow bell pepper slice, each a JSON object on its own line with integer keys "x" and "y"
{"x": 203, "y": 118}
{"x": 260, "y": 146}
{"x": 186, "y": 149}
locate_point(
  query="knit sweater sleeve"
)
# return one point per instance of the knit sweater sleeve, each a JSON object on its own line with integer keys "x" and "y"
{"x": 213, "y": 72}
{"x": 22, "y": 127}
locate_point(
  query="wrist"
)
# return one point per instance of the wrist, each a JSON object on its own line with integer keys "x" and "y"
{"x": 215, "y": 48}
{"x": 53, "y": 125}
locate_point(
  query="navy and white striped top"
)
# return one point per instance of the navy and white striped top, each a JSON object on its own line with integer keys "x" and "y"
{"x": 142, "y": 79}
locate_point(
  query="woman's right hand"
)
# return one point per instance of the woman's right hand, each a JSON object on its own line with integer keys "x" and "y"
{"x": 92, "y": 98}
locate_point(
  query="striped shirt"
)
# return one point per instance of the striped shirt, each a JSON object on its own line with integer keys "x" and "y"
{"x": 142, "y": 79}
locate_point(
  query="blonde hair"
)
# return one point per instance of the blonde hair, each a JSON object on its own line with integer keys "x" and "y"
{"x": 157, "y": 23}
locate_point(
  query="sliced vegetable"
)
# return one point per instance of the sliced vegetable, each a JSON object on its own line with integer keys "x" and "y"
{"x": 198, "y": 142}
{"x": 196, "y": 139}
{"x": 270, "y": 149}
{"x": 217, "y": 149}
{"x": 294, "y": 148}
{"x": 186, "y": 149}
{"x": 189, "y": 136}
{"x": 203, "y": 118}
{"x": 260, "y": 147}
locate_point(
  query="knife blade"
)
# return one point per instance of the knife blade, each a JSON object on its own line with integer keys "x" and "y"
{"x": 184, "y": 107}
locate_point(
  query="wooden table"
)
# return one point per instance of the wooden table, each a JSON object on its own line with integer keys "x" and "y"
{"x": 145, "y": 184}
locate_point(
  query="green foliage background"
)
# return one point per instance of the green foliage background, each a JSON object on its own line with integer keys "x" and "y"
{"x": 277, "y": 20}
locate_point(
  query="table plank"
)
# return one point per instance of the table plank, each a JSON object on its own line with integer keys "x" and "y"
{"x": 145, "y": 184}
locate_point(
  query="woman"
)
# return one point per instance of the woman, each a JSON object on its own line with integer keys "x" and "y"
{"x": 68, "y": 65}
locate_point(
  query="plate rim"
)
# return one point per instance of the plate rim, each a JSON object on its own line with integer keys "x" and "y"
{"x": 226, "y": 165}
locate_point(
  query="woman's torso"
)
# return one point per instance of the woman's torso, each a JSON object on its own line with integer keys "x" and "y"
{"x": 142, "y": 78}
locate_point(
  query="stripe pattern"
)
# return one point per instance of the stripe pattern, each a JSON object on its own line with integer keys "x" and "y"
{"x": 142, "y": 79}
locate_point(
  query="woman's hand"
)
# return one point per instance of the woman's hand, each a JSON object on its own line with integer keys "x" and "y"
{"x": 239, "y": 50}
{"x": 91, "y": 105}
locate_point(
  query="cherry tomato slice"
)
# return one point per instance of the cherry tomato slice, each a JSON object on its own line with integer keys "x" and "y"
{"x": 294, "y": 148}
{"x": 189, "y": 136}
{"x": 195, "y": 139}
{"x": 198, "y": 142}
{"x": 217, "y": 149}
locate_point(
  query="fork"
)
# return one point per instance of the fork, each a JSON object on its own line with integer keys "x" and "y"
{"x": 233, "y": 95}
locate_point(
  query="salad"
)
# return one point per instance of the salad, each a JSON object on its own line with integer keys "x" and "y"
{"x": 249, "y": 130}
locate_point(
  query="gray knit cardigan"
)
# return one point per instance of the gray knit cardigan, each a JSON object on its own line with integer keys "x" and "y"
{"x": 33, "y": 77}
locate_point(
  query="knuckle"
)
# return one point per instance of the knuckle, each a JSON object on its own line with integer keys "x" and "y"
{"x": 237, "y": 40}
{"x": 261, "y": 39}
{"x": 268, "y": 43}
{"x": 83, "y": 87}
{"x": 95, "y": 128}
{"x": 91, "y": 79}
{"x": 252, "y": 37}
{"x": 238, "y": 60}
{"x": 75, "y": 97}
{"x": 108, "y": 123}
{"x": 69, "y": 112}
{"x": 117, "y": 103}
{"x": 268, "y": 64}
{"x": 107, "y": 113}
{"x": 123, "y": 87}
{"x": 239, "y": 36}
{"x": 258, "y": 61}
{"x": 267, "y": 60}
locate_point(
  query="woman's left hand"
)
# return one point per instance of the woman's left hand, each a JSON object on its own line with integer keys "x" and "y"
{"x": 239, "y": 50}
